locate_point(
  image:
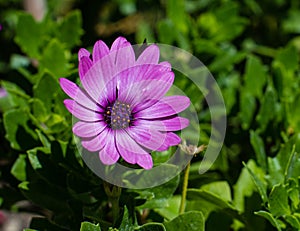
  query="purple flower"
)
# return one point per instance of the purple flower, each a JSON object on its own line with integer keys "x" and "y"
{"x": 3, "y": 92}
{"x": 122, "y": 107}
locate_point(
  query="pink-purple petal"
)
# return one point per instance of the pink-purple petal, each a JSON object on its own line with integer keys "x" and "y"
{"x": 119, "y": 43}
{"x": 83, "y": 52}
{"x": 81, "y": 112}
{"x": 92, "y": 144}
{"x": 124, "y": 58}
{"x": 95, "y": 81}
{"x": 100, "y": 50}
{"x": 167, "y": 106}
{"x": 84, "y": 129}
{"x": 109, "y": 154}
{"x": 149, "y": 56}
{"x": 173, "y": 124}
{"x": 143, "y": 92}
{"x": 96, "y": 143}
{"x": 164, "y": 66}
{"x": 145, "y": 161}
{"x": 150, "y": 139}
{"x": 85, "y": 63}
{"x": 151, "y": 92}
{"x": 72, "y": 90}
{"x": 172, "y": 139}
{"x": 128, "y": 148}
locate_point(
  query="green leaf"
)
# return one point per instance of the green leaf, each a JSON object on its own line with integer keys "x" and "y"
{"x": 54, "y": 59}
{"x": 141, "y": 178}
{"x": 220, "y": 189}
{"x": 288, "y": 56}
{"x": 43, "y": 139}
{"x": 45, "y": 90}
{"x": 255, "y": 76}
{"x": 16, "y": 96}
{"x": 292, "y": 168}
{"x": 87, "y": 226}
{"x": 176, "y": 12}
{"x": 261, "y": 186}
{"x": 29, "y": 34}
{"x": 258, "y": 146}
{"x": 291, "y": 23}
{"x": 275, "y": 170}
{"x": 69, "y": 29}
{"x": 57, "y": 123}
{"x": 171, "y": 208}
{"x": 206, "y": 202}
{"x": 166, "y": 31}
{"x": 226, "y": 59}
{"x": 39, "y": 109}
{"x": 127, "y": 223}
{"x": 33, "y": 159}
{"x": 223, "y": 23}
{"x": 293, "y": 221}
{"x": 192, "y": 221}
{"x": 18, "y": 170}
{"x": 286, "y": 152}
{"x": 152, "y": 227}
{"x": 293, "y": 110}
{"x": 245, "y": 186}
{"x": 270, "y": 218}
{"x": 293, "y": 192}
{"x": 157, "y": 197}
{"x": 248, "y": 106}
{"x": 267, "y": 109}
{"x": 20, "y": 136}
{"x": 278, "y": 201}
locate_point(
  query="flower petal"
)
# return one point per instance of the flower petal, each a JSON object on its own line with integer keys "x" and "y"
{"x": 72, "y": 90}
{"x": 173, "y": 139}
{"x": 81, "y": 112}
{"x": 109, "y": 154}
{"x": 85, "y": 63}
{"x": 173, "y": 124}
{"x": 145, "y": 161}
{"x": 83, "y": 129}
{"x": 119, "y": 43}
{"x": 165, "y": 66}
{"x": 83, "y": 52}
{"x": 150, "y": 55}
{"x": 98, "y": 142}
{"x": 167, "y": 106}
{"x": 129, "y": 149}
{"x": 123, "y": 58}
{"x": 139, "y": 84}
{"x": 150, "y": 139}
{"x": 99, "y": 82}
{"x": 100, "y": 50}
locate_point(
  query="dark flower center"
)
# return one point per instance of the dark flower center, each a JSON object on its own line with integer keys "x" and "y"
{"x": 118, "y": 115}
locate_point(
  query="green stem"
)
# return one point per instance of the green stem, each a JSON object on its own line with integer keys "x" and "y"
{"x": 113, "y": 193}
{"x": 265, "y": 51}
{"x": 184, "y": 188}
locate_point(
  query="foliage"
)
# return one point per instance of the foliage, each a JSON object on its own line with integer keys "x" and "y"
{"x": 252, "y": 49}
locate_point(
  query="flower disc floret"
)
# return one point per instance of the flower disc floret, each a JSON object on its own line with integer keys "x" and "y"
{"x": 118, "y": 116}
